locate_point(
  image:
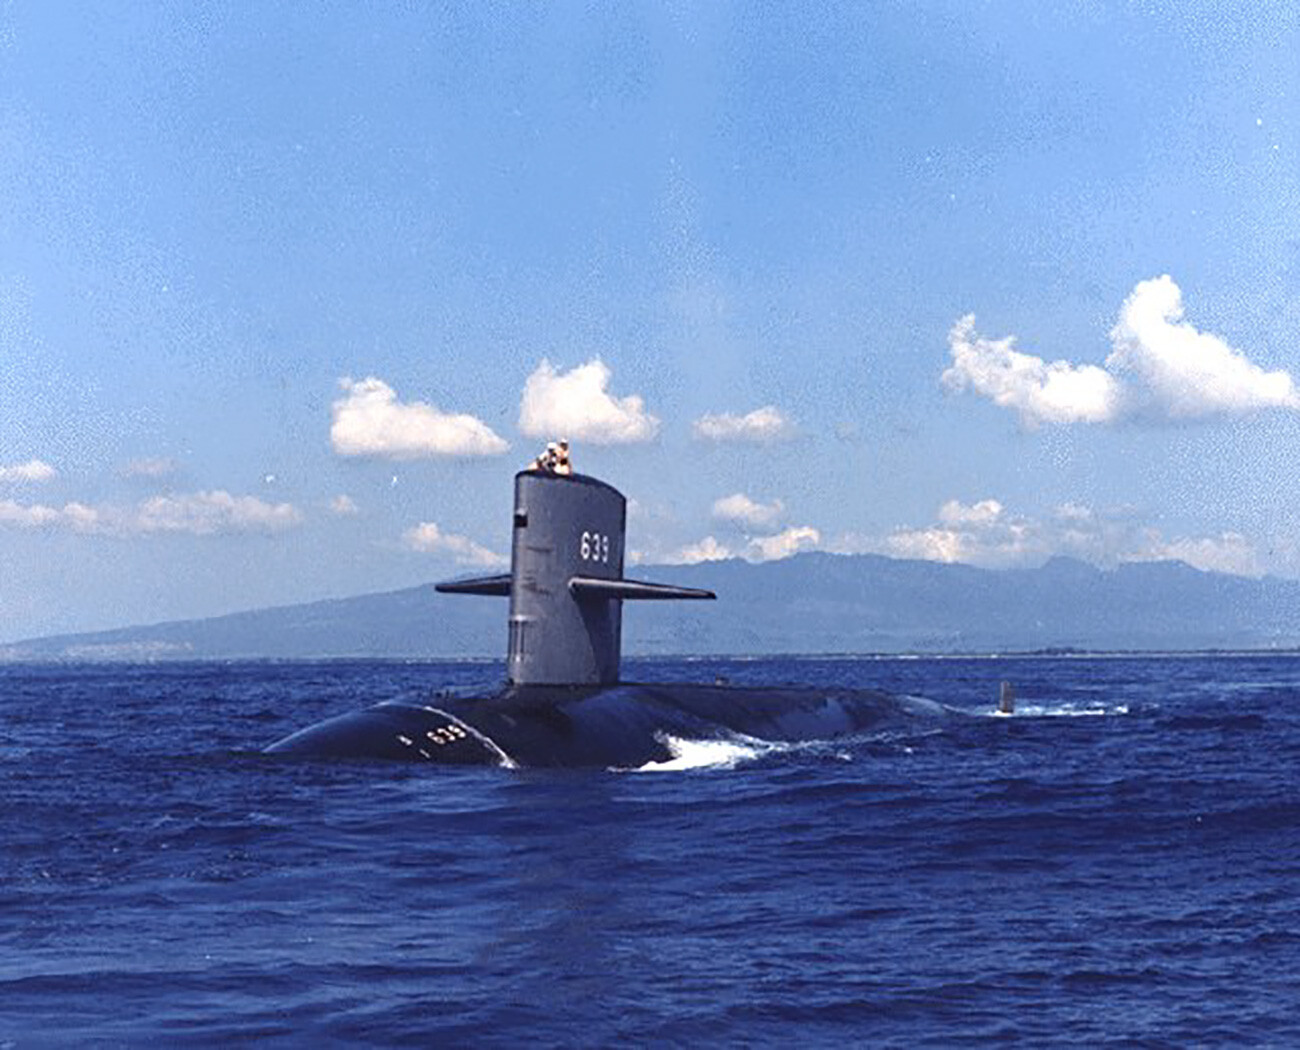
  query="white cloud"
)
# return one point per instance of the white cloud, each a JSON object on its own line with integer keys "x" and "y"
{"x": 1160, "y": 366}
{"x": 760, "y": 548}
{"x": 708, "y": 549}
{"x": 791, "y": 541}
{"x": 762, "y": 425}
{"x": 32, "y": 470}
{"x": 427, "y": 537}
{"x": 1042, "y": 393}
{"x": 986, "y": 511}
{"x": 1228, "y": 552}
{"x": 370, "y": 421}
{"x": 577, "y": 405}
{"x": 198, "y": 514}
{"x": 1187, "y": 373}
{"x": 207, "y": 513}
{"x": 343, "y": 504}
{"x": 28, "y": 516}
{"x": 979, "y": 533}
{"x": 932, "y": 544}
{"x": 984, "y": 534}
{"x": 741, "y": 510}
{"x": 150, "y": 467}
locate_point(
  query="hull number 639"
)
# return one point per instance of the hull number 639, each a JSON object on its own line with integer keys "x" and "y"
{"x": 594, "y": 546}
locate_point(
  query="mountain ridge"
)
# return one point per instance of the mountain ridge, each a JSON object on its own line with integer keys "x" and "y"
{"x": 813, "y": 602}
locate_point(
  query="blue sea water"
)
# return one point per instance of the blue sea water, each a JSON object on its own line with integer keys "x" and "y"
{"x": 1117, "y": 863}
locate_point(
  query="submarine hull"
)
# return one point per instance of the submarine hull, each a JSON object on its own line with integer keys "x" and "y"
{"x": 622, "y": 726}
{"x": 564, "y": 703}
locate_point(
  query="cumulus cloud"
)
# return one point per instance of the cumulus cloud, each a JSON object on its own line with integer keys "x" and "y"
{"x": 986, "y": 511}
{"x": 975, "y": 534}
{"x": 932, "y": 544}
{"x": 790, "y": 541}
{"x": 1227, "y": 552}
{"x": 950, "y": 545}
{"x": 430, "y": 539}
{"x": 760, "y": 426}
{"x": 31, "y": 515}
{"x": 198, "y": 514}
{"x": 1041, "y": 393}
{"x": 370, "y": 421}
{"x": 1160, "y": 366}
{"x": 32, "y": 470}
{"x": 207, "y": 513}
{"x": 708, "y": 549}
{"x": 760, "y": 548}
{"x": 343, "y": 504}
{"x": 577, "y": 404}
{"x": 1187, "y": 373}
{"x": 985, "y": 534}
{"x": 1111, "y": 537}
{"x": 740, "y": 510}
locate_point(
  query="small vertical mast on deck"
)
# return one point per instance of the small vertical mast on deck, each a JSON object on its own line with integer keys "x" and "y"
{"x": 566, "y": 584}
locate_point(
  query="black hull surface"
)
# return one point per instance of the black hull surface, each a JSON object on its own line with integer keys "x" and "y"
{"x": 623, "y": 726}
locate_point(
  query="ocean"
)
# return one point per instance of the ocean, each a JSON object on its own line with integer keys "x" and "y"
{"x": 1118, "y": 863}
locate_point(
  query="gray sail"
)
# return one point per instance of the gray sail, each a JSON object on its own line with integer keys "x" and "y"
{"x": 566, "y": 584}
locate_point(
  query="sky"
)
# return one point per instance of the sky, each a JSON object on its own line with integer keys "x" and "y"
{"x": 288, "y": 292}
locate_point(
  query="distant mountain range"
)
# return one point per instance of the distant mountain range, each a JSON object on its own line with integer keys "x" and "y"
{"x": 810, "y": 603}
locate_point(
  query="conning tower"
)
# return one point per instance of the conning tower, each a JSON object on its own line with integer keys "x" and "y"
{"x": 566, "y": 585}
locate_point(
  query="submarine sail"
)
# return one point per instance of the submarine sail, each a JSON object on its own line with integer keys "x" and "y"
{"x": 566, "y": 585}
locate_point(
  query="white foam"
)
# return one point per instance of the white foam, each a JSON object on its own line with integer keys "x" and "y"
{"x": 1062, "y": 711}
{"x": 705, "y": 754}
{"x": 724, "y": 752}
{"x": 714, "y": 753}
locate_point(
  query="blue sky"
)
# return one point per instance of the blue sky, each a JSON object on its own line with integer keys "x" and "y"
{"x": 288, "y": 292}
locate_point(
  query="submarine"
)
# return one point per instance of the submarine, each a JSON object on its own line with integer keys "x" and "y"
{"x": 563, "y": 703}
